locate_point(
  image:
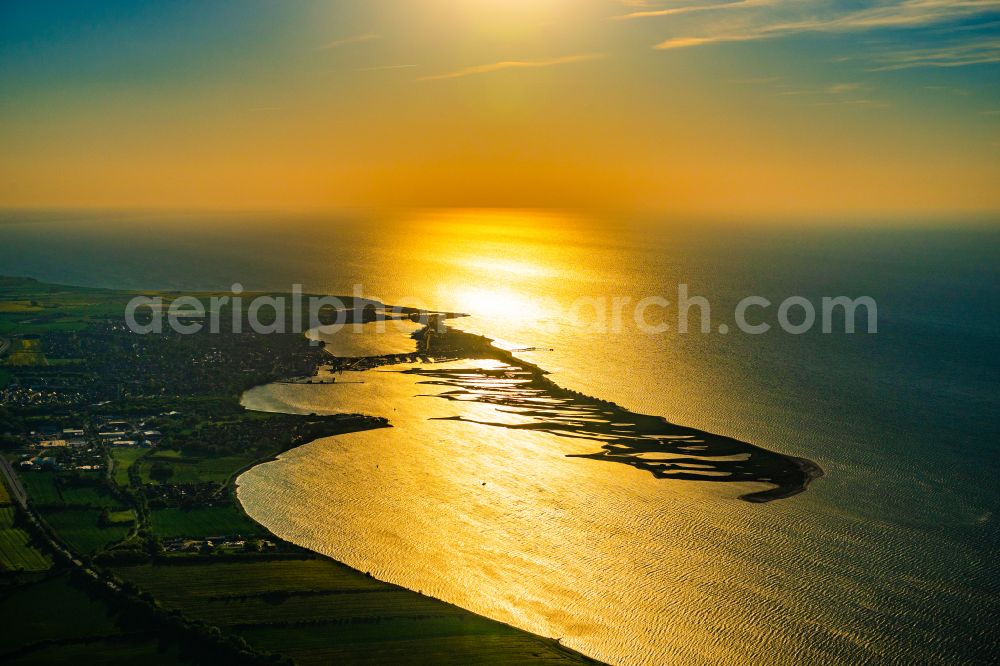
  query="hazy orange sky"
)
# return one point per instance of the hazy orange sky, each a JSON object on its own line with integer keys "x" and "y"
{"x": 753, "y": 107}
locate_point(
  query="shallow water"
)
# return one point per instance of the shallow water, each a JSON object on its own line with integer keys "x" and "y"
{"x": 621, "y": 566}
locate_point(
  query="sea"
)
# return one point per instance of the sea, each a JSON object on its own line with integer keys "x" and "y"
{"x": 890, "y": 557}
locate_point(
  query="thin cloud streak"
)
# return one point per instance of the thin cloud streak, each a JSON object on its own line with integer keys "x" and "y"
{"x": 382, "y": 68}
{"x": 512, "y": 64}
{"x": 975, "y": 53}
{"x": 904, "y": 14}
{"x": 354, "y": 39}
{"x": 690, "y": 9}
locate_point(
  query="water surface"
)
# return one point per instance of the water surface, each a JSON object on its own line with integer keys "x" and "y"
{"x": 890, "y": 556}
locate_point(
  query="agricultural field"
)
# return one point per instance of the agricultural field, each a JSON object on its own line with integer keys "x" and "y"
{"x": 81, "y": 529}
{"x": 180, "y": 581}
{"x": 31, "y": 613}
{"x": 41, "y": 488}
{"x": 16, "y": 552}
{"x": 203, "y": 522}
{"x": 191, "y": 469}
{"x": 48, "y": 489}
{"x": 125, "y": 517}
{"x": 19, "y": 306}
{"x": 125, "y": 651}
{"x": 88, "y": 495}
{"x": 26, "y": 350}
{"x": 53, "y": 622}
{"x": 319, "y": 612}
{"x": 27, "y": 305}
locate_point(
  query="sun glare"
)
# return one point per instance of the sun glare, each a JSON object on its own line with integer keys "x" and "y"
{"x": 496, "y": 303}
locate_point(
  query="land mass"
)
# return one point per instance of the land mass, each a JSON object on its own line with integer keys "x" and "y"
{"x": 121, "y": 538}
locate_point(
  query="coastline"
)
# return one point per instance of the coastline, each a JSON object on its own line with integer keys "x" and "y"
{"x": 551, "y": 642}
{"x": 795, "y": 480}
{"x": 233, "y": 484}
{"x": 453, "y": 344}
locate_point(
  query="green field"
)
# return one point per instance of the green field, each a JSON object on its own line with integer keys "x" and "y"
{"x": 41, "y": 487}
{"x": 203, "y": 522}
{"x": 44, "y": 489}
{"x": 54, "y": 622}
{"x": 111, "y": 651}
{"x": 52, "y": 609}
{"x": 123, "y": 458}
{"x": 125, "y": 517}
{"x": 204, "y": 582}
{"x": 4, "y": 495}
{"x": 320, "y": 612}
{"x": 16, "y": 554}
{"x": 188, "y": 469}
{"x": 81, "y": 529}
{"x": 92, "y": 496}
{"x": 20, "y": 306}
{"x": 27, "y": 305}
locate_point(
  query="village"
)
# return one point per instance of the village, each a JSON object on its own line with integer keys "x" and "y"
{"x": 82, "y": 447}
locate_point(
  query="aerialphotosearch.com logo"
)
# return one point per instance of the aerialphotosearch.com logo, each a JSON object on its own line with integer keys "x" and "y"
{"x": 296, "y": 312}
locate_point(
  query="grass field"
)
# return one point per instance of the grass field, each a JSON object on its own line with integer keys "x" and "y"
{"x": 93, "y": 496}
{"x": 63, "y": 308}
{"x": 16, "y": 554}
{"x": 81, "y": 529}
{"x": 52, "y": 609}
{"x": 20, "y": 306}
{"x": 41, "y": 487}
{"x": 320, "y": 612}
{"x": 187, "y": 469}
{"x": 30, "y": 306}
{"x": 203, "y": 522}
{"x": 123, "y": 459}
{"x": 54, "y": 622}
{"x": 43, "y": 490}
{"x": 125, "y": 651}
{"x": 4, "y": 495}
{"x": 126, "y": 517}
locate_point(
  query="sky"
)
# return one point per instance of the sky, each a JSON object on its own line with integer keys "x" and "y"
{"x": 780, "y": 108}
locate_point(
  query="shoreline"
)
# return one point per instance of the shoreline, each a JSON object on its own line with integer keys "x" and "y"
{"x": 480, "y": 346}
{"x": 234, "y": 486}
{"x": 453, "y": 344}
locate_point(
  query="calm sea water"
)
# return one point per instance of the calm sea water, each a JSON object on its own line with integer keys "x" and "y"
{"x": 890, "y": 557}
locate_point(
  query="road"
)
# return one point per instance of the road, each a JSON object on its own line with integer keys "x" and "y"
{"x": 13, "y": 483}
{"x": 21, "y": 497}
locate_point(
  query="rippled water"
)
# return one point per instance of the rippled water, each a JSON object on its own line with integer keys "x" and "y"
{"x": 509, "y": 524}
{"x": 890, "y": 557}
